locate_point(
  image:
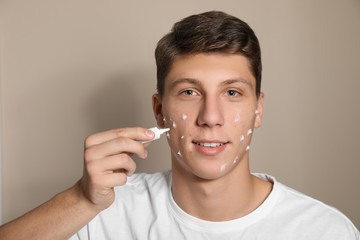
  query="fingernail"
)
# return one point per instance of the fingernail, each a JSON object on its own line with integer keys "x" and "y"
{"x": 149, "y": 133}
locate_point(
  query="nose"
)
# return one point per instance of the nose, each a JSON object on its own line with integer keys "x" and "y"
{"x": 211, "y": 113}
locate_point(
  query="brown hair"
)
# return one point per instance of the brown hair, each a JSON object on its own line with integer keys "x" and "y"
{"x": 208, "y": 32}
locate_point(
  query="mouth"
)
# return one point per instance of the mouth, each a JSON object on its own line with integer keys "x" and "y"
{"x": 210, "y": 148}
{"x": 209, "y": 144}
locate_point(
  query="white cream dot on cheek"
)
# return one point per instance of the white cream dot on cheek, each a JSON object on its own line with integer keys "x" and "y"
{"x": 236, "y": 159}
{"x": 249, "y": 132}
{"x": 174, "y": 124}
{"x": 183, "y": 117}
{"x": 179, "y": 153}
{"x": 223, "y": 167}
{"x": 182, "y": 137}
{"x": 242, "y": 138}
{"x": 237, "y": 117}
{"x": 247, "y": 148}
{"x": 256, "y": 111}
{"x": 168, "y": 135}
{"x": 164, "y": 120}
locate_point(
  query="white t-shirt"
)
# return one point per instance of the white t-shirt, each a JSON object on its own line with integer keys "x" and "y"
{"x": 145, "y": 209}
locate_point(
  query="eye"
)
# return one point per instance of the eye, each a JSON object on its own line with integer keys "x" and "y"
{"x": 189, "y": 92}
{"x": 232, "y": 93}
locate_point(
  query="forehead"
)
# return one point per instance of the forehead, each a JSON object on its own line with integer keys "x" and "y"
{"x": 210, "y": 68}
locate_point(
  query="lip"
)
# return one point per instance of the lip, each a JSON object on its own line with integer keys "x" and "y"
{"x": 210, "y": 151}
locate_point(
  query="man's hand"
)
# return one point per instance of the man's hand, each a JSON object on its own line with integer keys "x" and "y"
{"x": 108, "y": 162}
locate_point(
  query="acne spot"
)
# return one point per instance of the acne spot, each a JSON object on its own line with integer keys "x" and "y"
{"x": 249, "y": 132}
{"x": 183, "y": 116}
{"x": 242, "y": 138}
{"x": 174, "y": 124}
{"x": 247, "y": 147}
{"x": 237, "y": 118}
{"x": 236, "y": 159}
{"x": 179, "y": 153}
{"x": 223, "y": 167}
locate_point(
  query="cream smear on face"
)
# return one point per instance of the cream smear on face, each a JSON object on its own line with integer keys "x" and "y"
{"x": 236, "y": 159}
{"x": 223, "y": 167}
{"x": 183, "y": 116}
{"x": 237, "y": 117}
{"x": 249, "y": 132}
{"x": 247, "y": 147}
{"x": 242, "y": 138}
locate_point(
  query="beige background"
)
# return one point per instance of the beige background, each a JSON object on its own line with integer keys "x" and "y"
{"x": 72, "y": 68}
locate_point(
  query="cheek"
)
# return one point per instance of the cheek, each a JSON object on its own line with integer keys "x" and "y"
{"x": 179, "y": 127}
{"x": 244, "y": 123}
{"x": 237, "y": 118}
{"x": 180, "y": 130}
{"x": 243, "y": 119}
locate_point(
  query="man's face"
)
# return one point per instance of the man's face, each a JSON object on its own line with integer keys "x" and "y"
{"x": 210, "y": 105}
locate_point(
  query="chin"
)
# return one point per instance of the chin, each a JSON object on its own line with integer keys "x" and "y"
{"x": 202, "y": 171}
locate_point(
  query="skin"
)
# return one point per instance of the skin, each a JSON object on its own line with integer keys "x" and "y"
{"x": 217, "y": 94}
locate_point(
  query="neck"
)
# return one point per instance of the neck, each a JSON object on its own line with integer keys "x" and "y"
{"x": 231, "y": 196}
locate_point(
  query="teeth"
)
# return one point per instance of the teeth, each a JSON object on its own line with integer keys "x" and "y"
{"x": 210, "y": 144}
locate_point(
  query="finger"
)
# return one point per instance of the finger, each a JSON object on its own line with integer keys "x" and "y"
{"x": 135, "y": 133}
{"x": 115, "y": 163}
{"x": 147, "y": 144}
{"x": 114, "y": 179}
{"x": 113, "y": 147}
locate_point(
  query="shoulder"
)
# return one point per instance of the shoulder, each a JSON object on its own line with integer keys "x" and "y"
{"x": 137, "y": 203}
{"x": 308, "y": 204}
{"x": 305, "y": 211}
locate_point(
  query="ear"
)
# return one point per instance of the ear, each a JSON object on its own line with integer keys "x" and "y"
{"x": 157, "y": 109}
{"x": 259, "y": 111}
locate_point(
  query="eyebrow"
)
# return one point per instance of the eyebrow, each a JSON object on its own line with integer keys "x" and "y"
{"x": 185, "y": 80}
{"x": 236, "y": 80}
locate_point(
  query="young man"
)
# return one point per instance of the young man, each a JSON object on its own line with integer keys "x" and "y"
{"x": 209, "y": 75}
